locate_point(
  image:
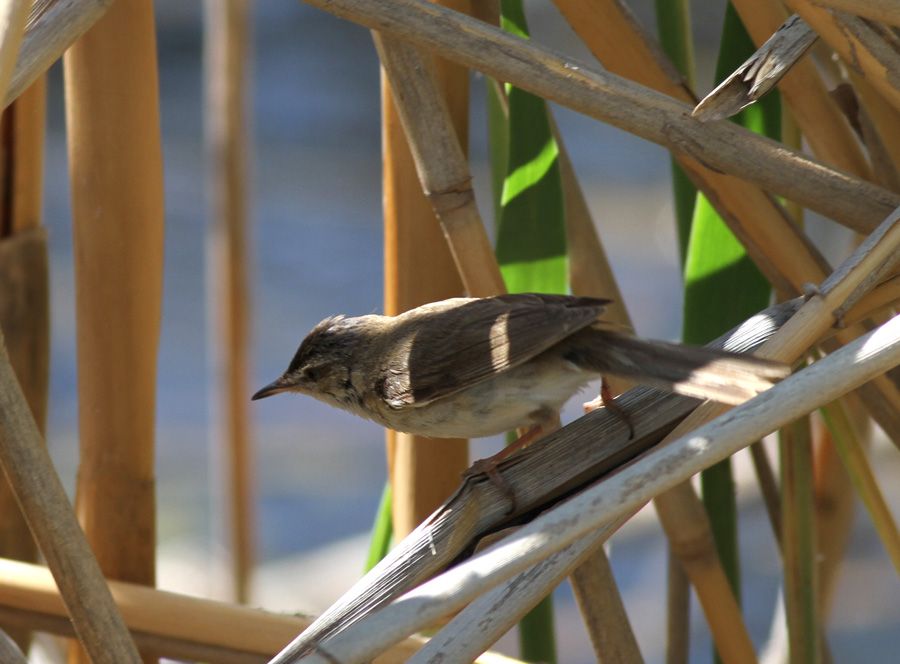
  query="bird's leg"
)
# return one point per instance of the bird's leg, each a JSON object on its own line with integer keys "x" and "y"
{"x": 606, "y": 400}
{"x": 489, "y": 465}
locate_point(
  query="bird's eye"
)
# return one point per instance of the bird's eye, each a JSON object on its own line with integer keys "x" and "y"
{"x": 312, "y": 374}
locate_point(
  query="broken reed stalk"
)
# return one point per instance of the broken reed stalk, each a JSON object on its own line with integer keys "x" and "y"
{"x": 798, "y": 539}
{"x": 624, "y": 104}
{"x": 43, "y": 501}
{"x": 171, "y": 624}
{"x": 616, "y": 497}
{"x": 868, "y": 48}
{"x": 877, "y": 10}
{"x": 418, "y": 266}
{"x": 225, "y": 62}
{"x": 52, "y": 27}
{"x": 801, "y": 331}
{"x": 820, "y": 119}
{"x": 760, "y": 73}
{"x": 115, "y": 164}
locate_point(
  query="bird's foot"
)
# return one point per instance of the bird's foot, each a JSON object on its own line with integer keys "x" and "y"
{"x": 489, "y": 466}
{"x": 605, "y": 400}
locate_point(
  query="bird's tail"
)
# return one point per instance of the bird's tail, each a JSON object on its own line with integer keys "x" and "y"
{"x": 694, "y": 371}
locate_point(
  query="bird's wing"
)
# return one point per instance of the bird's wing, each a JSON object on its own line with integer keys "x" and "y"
{"x": 452, "y": 345}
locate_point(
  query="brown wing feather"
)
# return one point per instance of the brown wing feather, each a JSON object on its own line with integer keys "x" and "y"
{"x": 454, "y": 344}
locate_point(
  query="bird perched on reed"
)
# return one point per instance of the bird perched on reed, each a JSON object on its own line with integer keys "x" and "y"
{"x": 472, "y": 367}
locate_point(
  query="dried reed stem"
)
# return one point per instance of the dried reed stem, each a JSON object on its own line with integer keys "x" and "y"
{"x": 654, "y": 116}
{"x": 43, "y": 500}
{"x": 419, "y": 267}
{"x": 227, "y": 53}
{"x": 815, "y": 111}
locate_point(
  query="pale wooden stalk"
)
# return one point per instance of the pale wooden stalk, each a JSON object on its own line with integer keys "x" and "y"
{"x": 654, "y": 116}
{"x": 868, "y": 48}
{"x": 854, "y": 460}
{"x": 227, "y": 53}
{"x": 171, "y": 624}
{"x": 887, "y": 11}
{"x": 820, "y": 119}
{"x": 52, "y": 27}
{"x": 799, "y": 543}
{"x": 615, "y": 498}
{"x": 115, "y": 163}
{"x": 25, "y": 306}
{"x": 419, "y": 268}
{"x": 43, "y": 501}
{"x": 689, "y": 532}
{"x": 603, "y": 611}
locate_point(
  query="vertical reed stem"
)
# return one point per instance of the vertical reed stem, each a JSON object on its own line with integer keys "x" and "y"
{"x": 115, "y": 162}
{"x": 227, "y": 27}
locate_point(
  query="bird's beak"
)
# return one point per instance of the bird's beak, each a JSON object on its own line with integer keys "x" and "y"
{"x": 276, "y": 386}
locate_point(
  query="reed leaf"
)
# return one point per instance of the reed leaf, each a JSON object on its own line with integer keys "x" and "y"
{"x": 382, "y": 529}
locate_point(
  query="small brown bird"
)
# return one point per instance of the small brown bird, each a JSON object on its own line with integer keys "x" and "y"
{"x": 472, "y": 367}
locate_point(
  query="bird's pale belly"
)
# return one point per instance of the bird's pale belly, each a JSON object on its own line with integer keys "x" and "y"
{"x": 520, "y": 397}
